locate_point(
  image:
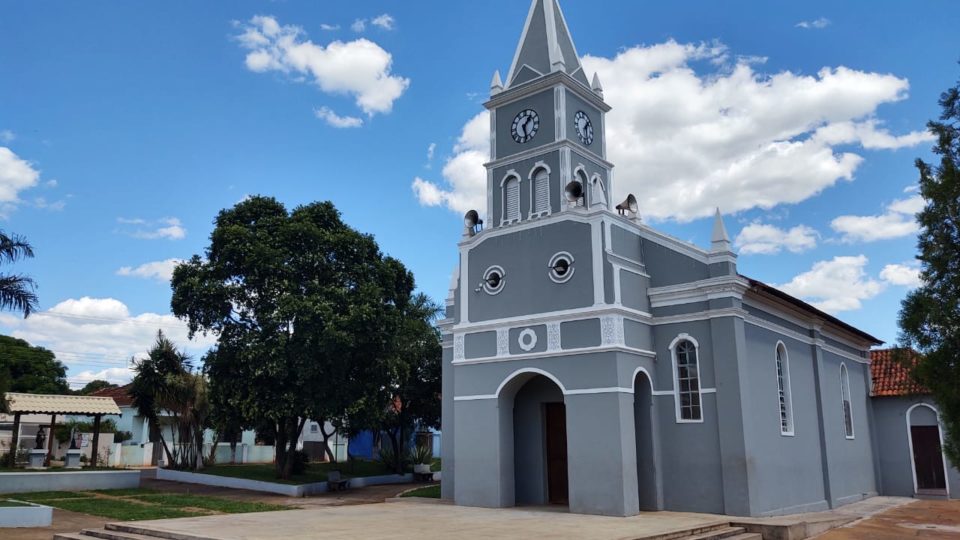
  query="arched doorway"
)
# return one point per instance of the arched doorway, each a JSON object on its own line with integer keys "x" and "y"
{"x": 926, "y": 453}
{"x": 539, "y": 439}
{"x": 644, "y": 415}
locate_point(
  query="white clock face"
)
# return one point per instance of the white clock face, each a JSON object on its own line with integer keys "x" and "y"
{"x": 525, "y": 126}
{"x": 584, "y": 128}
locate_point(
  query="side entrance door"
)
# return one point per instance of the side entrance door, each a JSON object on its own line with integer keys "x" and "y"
{"x": 928, "y": 458}
{"x": 556, "y": 414}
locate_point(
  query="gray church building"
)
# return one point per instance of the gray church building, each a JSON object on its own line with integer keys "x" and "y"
{"x": 592, "y": 361}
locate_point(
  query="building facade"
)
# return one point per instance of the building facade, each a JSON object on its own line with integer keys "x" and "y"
{"x": 593, "y": 361}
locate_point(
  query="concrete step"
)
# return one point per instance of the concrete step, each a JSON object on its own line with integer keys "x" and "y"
{"x": 132, "y": 528}
{"x": 114, "y": 535}
{"x": 70, "y": 536}
{"x": 718, "y": 534}
{"x": 747, "y": 536}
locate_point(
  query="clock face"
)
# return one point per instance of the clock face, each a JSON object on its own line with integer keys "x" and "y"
{"x": 525, "y": 126}
{"x": 584, "y": 128}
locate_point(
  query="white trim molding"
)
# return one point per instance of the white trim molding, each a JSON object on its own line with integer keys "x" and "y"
{"x": 698, "y": 291}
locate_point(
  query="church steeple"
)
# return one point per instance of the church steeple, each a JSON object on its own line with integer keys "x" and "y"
{"x": 546, "y": 47}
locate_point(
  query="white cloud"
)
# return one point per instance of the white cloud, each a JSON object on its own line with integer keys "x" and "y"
{"x": 904, "y": 275}
{"x": 169, "y": 228}
{"x": 159, "y": 270}
{"x": 899, "y": 220}
{"x": 758, "y": 238}
{"x": 16, "y": 175}
{"x": 92, "y": 335}
{"x": 329, "y": 27}
{"x": 359, "y": 25}
{"x": 54, "y": 206}
{"x": 688, "y": 140}
{"x": 384, "y": 21}
{"x": 7, "y": 136}
{"x": 51, "y": 184}
{"x": 120, "y": 376}
{"x": 464, "y": 174}
{"x": 333, "y": 119}
{"x": 358, "y": 68}
{"x": 840, "y": 284}
{"x": 431, "y": 150}
{"x": 816, "y": 24}
{"x": 690, "y": 132}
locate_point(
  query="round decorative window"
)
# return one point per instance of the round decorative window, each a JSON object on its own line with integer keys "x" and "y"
{"x": 493, "y": 280}
{"x": 527, "y": 340}
{"x": 561, "y": 267}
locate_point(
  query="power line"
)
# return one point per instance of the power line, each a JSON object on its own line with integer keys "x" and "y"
{"x": 109, "y": 319}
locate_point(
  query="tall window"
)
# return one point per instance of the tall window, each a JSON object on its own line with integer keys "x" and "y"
{"x": 783, "y": 391}
{"x": 541, "y": 192}
{"x": 688, "y": 381}
{"x": 847, "y": 404}
{"x": 511, "y": 200}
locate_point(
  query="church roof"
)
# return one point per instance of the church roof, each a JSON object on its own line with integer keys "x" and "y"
{"x": 545, "y": 47}
{"x": 763, "y": 288}
{"x": 891, "y": 374}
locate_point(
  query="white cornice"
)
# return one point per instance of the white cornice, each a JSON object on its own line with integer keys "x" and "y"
{"x": 578, "y": 314}
{"x": 698, "y": 291}
{"x": 555, "y": 354}
{"x": 521, "y": 91}
{"x": 540, "y": 150}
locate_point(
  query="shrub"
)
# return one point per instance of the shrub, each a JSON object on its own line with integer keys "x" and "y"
{"x": 422, "y": 454}
{"x": 301, "y": 461}
{"x": 122, "y": 436}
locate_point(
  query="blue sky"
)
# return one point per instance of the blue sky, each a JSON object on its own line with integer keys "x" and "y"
{"x": 123, "y": 130}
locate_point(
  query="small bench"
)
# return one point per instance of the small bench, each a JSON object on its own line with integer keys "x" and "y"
{"x": 335, "y": 482}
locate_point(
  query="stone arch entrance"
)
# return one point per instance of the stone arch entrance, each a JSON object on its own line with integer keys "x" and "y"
{"x": 650, "y": 492}
{"x": 926, "y": 453}
{"x": 533, "y": 411}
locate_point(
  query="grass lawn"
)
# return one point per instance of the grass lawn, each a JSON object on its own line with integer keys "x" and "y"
{"x": 143, "y": 504}
{"x": 9, "y": 504}
{"x": 428, "y": 492}
{"x": 435, "y": 465}
{"x": 316, "y": 472}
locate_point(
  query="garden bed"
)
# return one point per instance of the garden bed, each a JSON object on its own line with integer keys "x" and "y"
{"x": 15, "y": 513}
{"x": 262, "y": 478}
{"x": 22, "y": 481}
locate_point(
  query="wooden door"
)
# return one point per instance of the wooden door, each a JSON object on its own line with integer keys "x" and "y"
{"x": 556, "y": 425}
{"x": 928, "y": 458}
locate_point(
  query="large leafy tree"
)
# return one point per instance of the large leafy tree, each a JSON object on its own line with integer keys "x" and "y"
{"x": 409, "y": 387}
{"x": 30, "y": 369}
{"x": 95, "y": 386}
{"x": 303, "y": 307}
{"x": 930, "y": 315}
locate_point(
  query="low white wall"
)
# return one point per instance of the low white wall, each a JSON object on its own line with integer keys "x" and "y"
{"x": 27, "y": 482}
{"x": 271, "y": 487}
{"x": 32, "y": 515}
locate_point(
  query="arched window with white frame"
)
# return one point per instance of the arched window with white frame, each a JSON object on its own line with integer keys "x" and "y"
{"x": 511, "y": 199}
{"x": 847, "y": 403}
{"x": 784, "y": 393}
{"x": 540, "y": 191}
{"x": 686, "y": 378}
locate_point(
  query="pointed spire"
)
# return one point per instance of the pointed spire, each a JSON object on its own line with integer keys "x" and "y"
{"x": 496, "y": 85}
{"x": 545, "y": 47}
{"x": 720, "y": 240}
{"x": 596, "y": 86}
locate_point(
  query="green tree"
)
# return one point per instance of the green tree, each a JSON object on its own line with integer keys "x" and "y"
{"x": 166, "y": 389}
{"x": 95, "y": 386}
{"x": 303, "y": 307}
{"x": 30, "y": 369}
{"x": 17, "y": 292}
{"x": 930, "y": 315}
{"x": 409, "y": 395}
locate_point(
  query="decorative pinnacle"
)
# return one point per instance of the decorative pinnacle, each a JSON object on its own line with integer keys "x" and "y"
{"x": 720, "y": 240}
{"x": 496, "y": 85}
{"x": 596, "y": 86}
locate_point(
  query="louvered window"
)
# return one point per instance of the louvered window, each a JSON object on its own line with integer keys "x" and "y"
{"x": 541, "y": 192}
{"x": 511, "y": 200}
{"x": 847, "y": 404}
{"x": 783, "y": 391}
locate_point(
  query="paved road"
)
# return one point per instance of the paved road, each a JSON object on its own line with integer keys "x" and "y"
{"x": 922, "y": 519}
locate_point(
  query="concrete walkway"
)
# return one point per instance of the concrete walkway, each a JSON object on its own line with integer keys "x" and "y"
{"x": 413, "y": 521}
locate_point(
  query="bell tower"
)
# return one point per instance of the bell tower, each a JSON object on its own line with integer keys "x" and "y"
{"x": 548, "y": 141}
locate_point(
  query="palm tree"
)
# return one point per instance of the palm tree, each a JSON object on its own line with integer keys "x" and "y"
{"x": 16, "y": 291}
